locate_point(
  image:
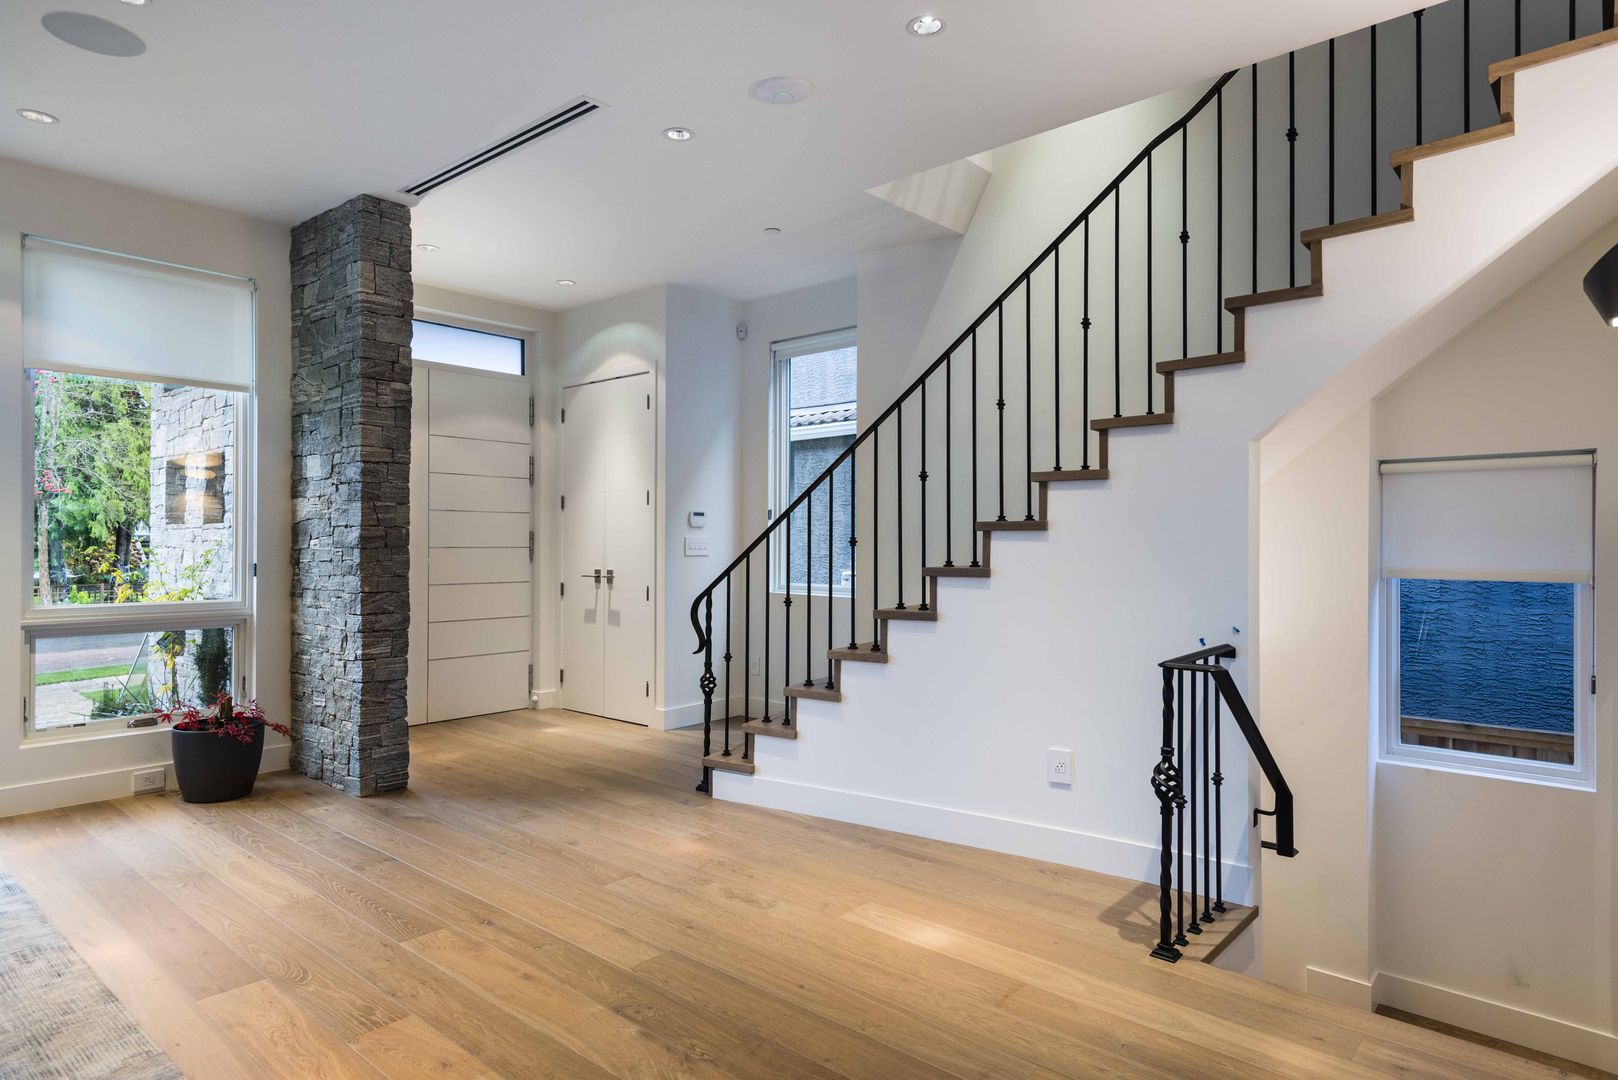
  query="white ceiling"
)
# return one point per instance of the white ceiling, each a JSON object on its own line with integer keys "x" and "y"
{"x": 282, "y": 108}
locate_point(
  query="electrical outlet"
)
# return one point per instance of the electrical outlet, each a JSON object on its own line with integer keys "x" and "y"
{"x": 1059, "y": 766}
{"x": 753, "y": 668}
{"x": 146, "y": 780}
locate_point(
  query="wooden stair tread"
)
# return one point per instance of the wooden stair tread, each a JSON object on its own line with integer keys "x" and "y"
{"x": 907, "y": 614}
{"x": 774, "y": 729}
{"x": 860, "y": 654}
{"x": 1014, "y": 525}
{"x": 1107, "y": 423}
{"x": 1482, "y": 135}
{"x": 1194, "y": 363}
{"x": 733, "y": 763}
{"x": 1274, "y": 296}
{"x": 819, "y": 693}
{"x": 1060, "y": 476}
{"x": 1502, "y": 68}
{"x": 956, "y": 571}
{"x": 1358, "y": 225}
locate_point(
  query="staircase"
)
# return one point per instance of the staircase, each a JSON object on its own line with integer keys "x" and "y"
{"x": 1087, "y": 343}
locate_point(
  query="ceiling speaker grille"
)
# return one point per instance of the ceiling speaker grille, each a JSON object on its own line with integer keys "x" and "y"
{"x": 550, "y": 125}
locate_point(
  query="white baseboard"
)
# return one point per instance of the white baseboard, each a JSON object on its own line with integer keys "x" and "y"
{"x": 1534, "y": 1030}
{"x": 99, "y": 787}
{"x": 1343, "y": 989}
{"x": 1051, "y": 843}
{"x": 547, "y": 699}
{"x": 669, "y": 717}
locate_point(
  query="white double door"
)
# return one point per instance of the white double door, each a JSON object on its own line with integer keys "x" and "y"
{"x": 609, "y": 536}
{"x": 480, "y": 517}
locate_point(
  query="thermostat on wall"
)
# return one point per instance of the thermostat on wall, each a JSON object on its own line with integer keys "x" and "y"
{"x": 697, "y": 518}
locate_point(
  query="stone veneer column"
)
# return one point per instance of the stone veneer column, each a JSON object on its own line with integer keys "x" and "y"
{"x": 352, "y": 301}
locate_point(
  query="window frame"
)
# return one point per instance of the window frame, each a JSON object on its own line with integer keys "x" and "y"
{"x": 238, "y": 612}
{"x": 782, "y": 352}
{"x": 1394, "y": 751}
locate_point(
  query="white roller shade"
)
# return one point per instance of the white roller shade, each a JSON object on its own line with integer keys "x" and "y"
{"x": 101, "y": 314}
{"x": 1490, "y": 519}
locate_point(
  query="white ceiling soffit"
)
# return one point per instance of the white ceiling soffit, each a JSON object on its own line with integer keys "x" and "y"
{"x": 282, "y": 110}
{"x": 947, "y": 196}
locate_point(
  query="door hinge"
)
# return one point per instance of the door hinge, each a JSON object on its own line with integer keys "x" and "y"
{"x": 648, "y": 689}
{"x": 561, "y": 677}
{"x": 564, "y": 502}
{"x": 648, "y": 401}
{"x": 648, "y": 496}
{"x": 530, "y": 412}
{"x": 648, "y": 593}
{"x": 1592, "y": 683}
{"x": 564, "y": 416}
{"x": 254, "y": 572}
{"x": 563, "y": 587}
{"x": 530, "y": 545}
{"x": 25, "y": 714}
{"x": 530, "y": 678}
{"x": 530, "y": 470}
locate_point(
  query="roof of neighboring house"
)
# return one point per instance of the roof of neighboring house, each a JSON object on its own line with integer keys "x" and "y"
{"x": 814, "y": 415}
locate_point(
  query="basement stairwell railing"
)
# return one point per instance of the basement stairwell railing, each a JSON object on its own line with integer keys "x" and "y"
{"x": 1089, "y": 337}
{"x": 1188, "y": 781}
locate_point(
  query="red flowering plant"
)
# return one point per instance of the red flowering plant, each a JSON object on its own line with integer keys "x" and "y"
{"x": 224, "y": 719}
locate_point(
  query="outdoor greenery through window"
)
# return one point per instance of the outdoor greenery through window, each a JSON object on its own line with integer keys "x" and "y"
{"x": 140, "y": 377}
{"x": 815, "y": 421}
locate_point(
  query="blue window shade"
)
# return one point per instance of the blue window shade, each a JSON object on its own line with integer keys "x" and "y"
{"x": 440, "y": 344}
{"x": 1488, "y": 652}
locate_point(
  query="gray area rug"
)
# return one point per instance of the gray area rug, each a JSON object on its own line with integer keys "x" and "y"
{"x": 57, "y": 1020}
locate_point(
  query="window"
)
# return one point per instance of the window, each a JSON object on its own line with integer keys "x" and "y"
{"x": 1488, "y": 621}
{"x": 437, "y": 343}
{"x": 137, "y": 574}
{"x": 812, "y": 422}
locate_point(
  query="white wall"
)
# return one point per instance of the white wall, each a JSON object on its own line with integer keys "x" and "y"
{"x": 72, "y": 208}
{"x": 537, "y": 328}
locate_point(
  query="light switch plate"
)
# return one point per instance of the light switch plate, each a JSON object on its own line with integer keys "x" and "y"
{"x": 696, "y": 545}
{"x": 1059, "y": 766}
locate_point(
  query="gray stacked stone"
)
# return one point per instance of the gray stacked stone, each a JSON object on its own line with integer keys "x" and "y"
{"x": 352, "y": 302}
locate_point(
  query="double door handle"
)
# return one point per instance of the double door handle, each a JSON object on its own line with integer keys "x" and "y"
{"x": 596, "y": 576}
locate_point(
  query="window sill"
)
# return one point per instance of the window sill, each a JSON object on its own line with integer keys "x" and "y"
{"x": 1478, "y": 766}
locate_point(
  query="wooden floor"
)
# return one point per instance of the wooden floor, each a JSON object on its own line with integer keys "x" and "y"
{"x": 551, "y": 899}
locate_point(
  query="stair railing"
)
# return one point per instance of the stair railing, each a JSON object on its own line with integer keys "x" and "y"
{"x": 1130, "y": 292}
{"x": 1188, "y": 781}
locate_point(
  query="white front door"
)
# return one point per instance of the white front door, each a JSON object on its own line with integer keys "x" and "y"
{"x": 609, "y": 463}
{"x": 480, "y": 517}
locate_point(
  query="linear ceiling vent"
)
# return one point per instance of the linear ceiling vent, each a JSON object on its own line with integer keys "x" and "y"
{"x": 539, "y": 129}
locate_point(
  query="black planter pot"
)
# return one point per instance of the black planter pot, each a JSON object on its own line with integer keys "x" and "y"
{"x": 211, "y": 767}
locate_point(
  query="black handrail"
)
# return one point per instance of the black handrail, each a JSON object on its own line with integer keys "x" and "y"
{"x": 1175, "y": 780}
{"x": 1010, "y": 290}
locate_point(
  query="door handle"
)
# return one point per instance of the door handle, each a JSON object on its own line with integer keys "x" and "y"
{"x": 597, "y": 576}
{"x": 609, "y": 579}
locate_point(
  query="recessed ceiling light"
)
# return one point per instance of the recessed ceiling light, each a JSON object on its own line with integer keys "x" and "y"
{"x": 771, "y": 230}
{"x": 566, "y": 283}
{"x": 677, "y": 134}
{"x": 36, "y": 116}
{"x": 925, "y": 25}
{"x": 137, "y": 3}
{"x": 427, "y": 249}
{"x": 781, "y": 90}
{"x": 92, "y": 34}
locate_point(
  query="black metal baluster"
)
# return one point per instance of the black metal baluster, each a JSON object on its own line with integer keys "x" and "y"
{"x": 1028, "y": 390}
{"x": 1149, "y": 327}
{"x": 786, "y": 631}
{"x": 1185, "y": 244}
{"x": 876, "y": 538}
{"x": 1208, "y": 869}
{"x": 1373, "y": 120}
{"x": 1084, "y": 324}
{"x": 726, "y": 659}
{"x": 1517, "y": 40}
{"x": 708, "y": 683}
{"x": 974, "y": 399}
{"x": 899, "y": 502}
{"x": 1420, "y": 128}
{"x": 1189, "y": 785}
{"x": 1466, "y": 65}
{"x": 809, "y": 586}
{"x": 769, "y": 538}
{"x": 1219, "y": 221}
{"x": 1331, "y": 132}
{"x": 922, "y": 476}
{"x": 831, "y": 546}
{"x": 949, "y": 459}
{"x": 1572, "y": 19}
{"x": 1056, "y": 356}
{"x": 1163, "y": 782}
{"x": 1218, "y": 807}
{"x": 853, "y": 546}
{"x": 1179, "y": 808}
{"x": 1000, "y": 400}
{"x": 1291, "y": 237}
{"x": 747, "y": 638}
{"x": 1255, "y": 178}
{"x": 1117, "y": 321}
